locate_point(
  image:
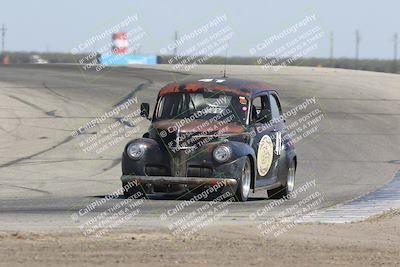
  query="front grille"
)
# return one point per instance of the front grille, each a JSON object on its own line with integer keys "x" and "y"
{"x": 168, "y": 140}
{"x": 197, "y": 141}
{"x": 157, "y": 170}
{"x": 176, "y": 141}
{"x": 199, "y": 171}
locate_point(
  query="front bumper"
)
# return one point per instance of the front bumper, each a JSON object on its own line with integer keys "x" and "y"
{"x": 170, "y": 180}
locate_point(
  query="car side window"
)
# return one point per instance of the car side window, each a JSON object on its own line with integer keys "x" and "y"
{"x": 257, "y": 105}
{"x": 260, "y": 111}
{"x": 275, "y": 107}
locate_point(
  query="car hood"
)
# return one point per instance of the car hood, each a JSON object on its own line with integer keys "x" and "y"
{"x": 199, "y": 125}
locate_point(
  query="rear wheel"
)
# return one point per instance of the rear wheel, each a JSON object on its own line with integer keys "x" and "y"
{"x": 243, "y": 187}
{"x": 283, "y": 191}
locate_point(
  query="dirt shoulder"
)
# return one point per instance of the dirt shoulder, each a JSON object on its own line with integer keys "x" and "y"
{"x": 375, "y": 242}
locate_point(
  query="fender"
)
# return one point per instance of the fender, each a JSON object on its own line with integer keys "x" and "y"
{"x": 153, "y": 152}
{"x": 288, "y": 155}
{"x": 243, "y": 150}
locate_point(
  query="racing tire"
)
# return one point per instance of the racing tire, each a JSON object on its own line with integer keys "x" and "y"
{"x": 284, "y": 191}
{"x": 243, "y": 187}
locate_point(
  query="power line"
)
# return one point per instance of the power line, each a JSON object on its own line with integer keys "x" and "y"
{"x": 226, "y": 60}
{"x": 331, "y": 50}
{"x": 3, "y": 36}
{"x": 176, "y": 46}
{"x": 395, "y": 41}
{"x": 358, "y": 39}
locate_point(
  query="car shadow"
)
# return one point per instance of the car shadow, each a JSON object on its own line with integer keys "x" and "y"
{"x": 176, "y": 197}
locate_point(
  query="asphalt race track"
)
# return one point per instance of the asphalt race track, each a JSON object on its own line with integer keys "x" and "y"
{"x": 45, "y": 176}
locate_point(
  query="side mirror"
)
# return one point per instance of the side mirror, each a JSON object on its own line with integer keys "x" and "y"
{"x": 145, "y": 110}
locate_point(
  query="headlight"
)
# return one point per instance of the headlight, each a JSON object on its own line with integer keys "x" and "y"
{"x": 222, "y": 153}
{"x": 135, "y": 151}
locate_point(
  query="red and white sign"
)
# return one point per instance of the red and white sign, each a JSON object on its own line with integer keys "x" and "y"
{"x": 120, "y": 43}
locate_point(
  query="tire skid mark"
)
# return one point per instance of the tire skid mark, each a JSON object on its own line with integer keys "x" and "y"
{"x": 114, "y": 163}
{"x": 394, "y": 161}
{"x": 64, "y": 117}
{"x": 132, "y": 93}
{"x": 17, "y": 137}
{"x": 127, "y": 97}
{"x": 10, "y": 163}
{"x": 30, "y": 163}
{"x": 27, "y": 188}
{"x": 48, "y": 113}
{"x": 131, "y": 71}
{"x": 19, "y": 123}
{"x": 48, "y": 128}
{"x": 60, "y": 96}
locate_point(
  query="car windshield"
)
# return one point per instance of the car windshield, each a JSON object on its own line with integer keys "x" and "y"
{"x": 207, "y": 106}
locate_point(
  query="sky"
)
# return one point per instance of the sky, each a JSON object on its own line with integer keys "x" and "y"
{"x": 60, "y": 26}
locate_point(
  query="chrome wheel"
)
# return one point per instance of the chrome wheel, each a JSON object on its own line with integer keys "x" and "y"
{"x": 291, "y": 177}
{"x": 246, "y": 179}
{"x": 242, "y": 189}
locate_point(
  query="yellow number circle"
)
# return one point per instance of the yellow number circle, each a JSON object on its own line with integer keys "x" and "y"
{"x": 264, "y": 155}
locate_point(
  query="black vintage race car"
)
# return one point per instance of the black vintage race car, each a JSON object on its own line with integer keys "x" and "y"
{"x": 205, "y": 132}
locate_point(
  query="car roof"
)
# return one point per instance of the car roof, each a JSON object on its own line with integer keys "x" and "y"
{"x": 241, "y": 87}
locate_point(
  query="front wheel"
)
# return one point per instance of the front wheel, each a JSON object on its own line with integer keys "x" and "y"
{"x": 243, "y": 187}
{"x": 283, "y": 191}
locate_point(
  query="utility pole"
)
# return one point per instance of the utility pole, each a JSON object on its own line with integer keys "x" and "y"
{"x": 358, "y": 39}
{"x": 395, "y": 41}
{"x": 331, "y": 50}
{"x": 3, "y": 36}
{"x": 176, "y": 45}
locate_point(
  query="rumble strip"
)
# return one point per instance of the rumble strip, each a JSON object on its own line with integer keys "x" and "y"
{"x": 375, "y": 203}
